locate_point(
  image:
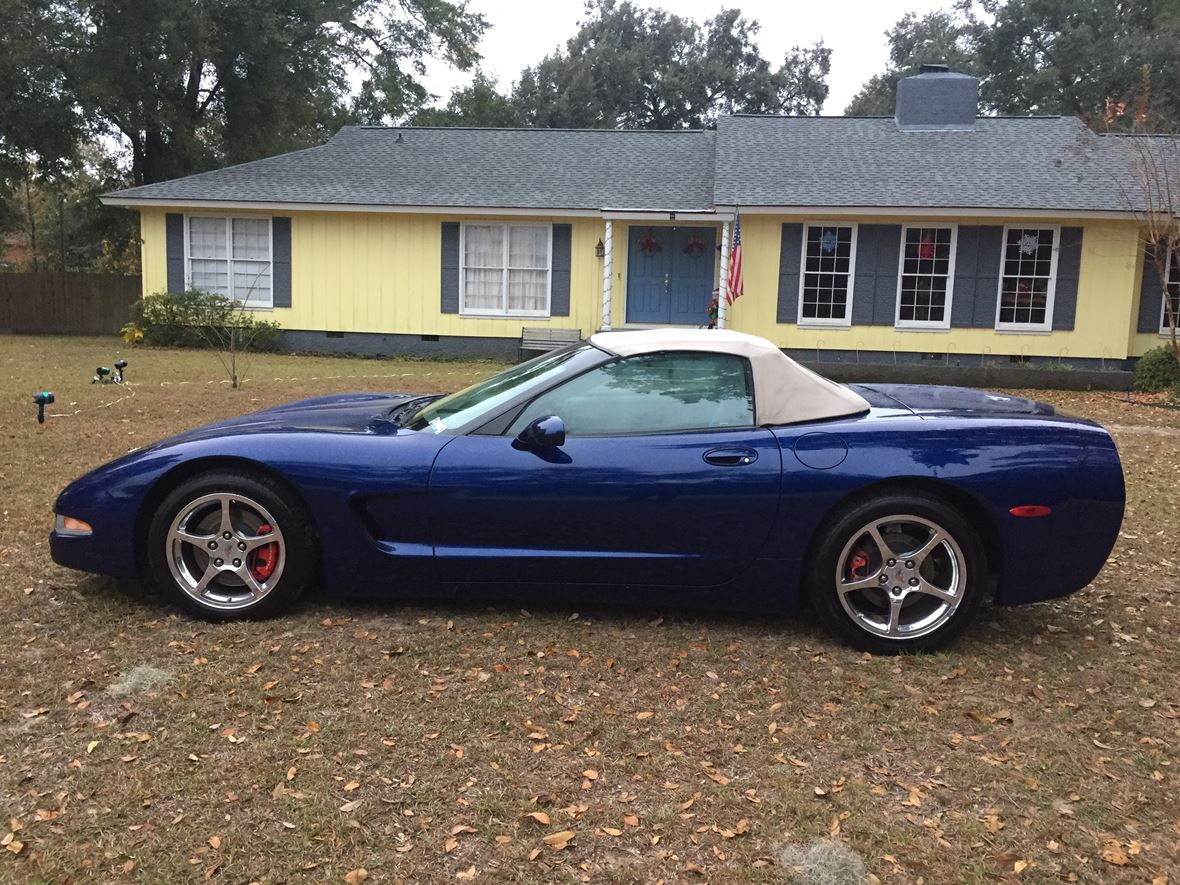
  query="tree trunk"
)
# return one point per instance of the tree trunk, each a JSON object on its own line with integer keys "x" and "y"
{"x": 32, "y": 223}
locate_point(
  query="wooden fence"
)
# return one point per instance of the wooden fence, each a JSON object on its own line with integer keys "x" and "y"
{"x": 66, "y": 303}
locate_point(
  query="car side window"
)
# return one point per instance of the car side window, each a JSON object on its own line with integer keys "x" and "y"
{"x": 652, "y": 393}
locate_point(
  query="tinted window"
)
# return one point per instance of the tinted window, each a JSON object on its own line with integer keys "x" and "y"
{"x": 654, "y": 393}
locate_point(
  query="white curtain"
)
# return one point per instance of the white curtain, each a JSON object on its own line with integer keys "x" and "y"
{"x": 483, "y": 263}
{"x": 251, "y": 261}
{"x": 528, "y": 263}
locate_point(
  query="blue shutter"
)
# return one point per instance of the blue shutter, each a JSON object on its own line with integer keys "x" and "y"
{"x": 174, "y": 247}
{"x": 874, "y": 294}
{"x": 450, "y": 267}
{"x": 559, "y": 293}
{"x": 977, "y": 276}
{"x": 790, "y": 254}
{"x": 1151, "y": 295}
{"x": 280, "y": 228}
{"x": 1069, "y": 267}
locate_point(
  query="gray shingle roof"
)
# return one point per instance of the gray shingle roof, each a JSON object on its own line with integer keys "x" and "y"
{"x": 1052, "y": 163}
{"x": 493, "y": 168}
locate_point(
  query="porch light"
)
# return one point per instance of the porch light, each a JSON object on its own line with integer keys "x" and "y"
{"x": 600, "y": 250}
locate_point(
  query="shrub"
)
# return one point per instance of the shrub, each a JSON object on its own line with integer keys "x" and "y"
{"x": 1157, "y": 370}
{"x": 199, "y": 319}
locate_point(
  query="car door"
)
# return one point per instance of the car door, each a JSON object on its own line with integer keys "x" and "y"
{"x": 662, "y": 479}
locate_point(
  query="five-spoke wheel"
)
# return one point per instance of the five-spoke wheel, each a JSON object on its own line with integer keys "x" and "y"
{"x": 231, "y": 544}
{"x": 898, "y": 573}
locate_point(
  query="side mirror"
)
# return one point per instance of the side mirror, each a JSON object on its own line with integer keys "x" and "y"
{"x": 544, "y": 433}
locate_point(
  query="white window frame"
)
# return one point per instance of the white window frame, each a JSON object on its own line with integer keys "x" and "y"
{"x": 945, "y": 322}
{"x": 1165, "y": 332}
{"x": 1050, "y": 290}
{"x": 505, "y": 312}
{"x": 827, "y": 322}
{"x": 229, "y": 259}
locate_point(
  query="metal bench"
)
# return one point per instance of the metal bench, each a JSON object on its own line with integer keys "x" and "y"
{"x": 544, "y": 339}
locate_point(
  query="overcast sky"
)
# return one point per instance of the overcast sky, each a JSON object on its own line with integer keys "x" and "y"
{"x": 524, "y": 31}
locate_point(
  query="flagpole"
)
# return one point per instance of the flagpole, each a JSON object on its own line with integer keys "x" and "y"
{"x": 723, "y": 284}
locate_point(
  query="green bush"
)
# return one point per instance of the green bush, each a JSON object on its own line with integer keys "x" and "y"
{"x": 1157, "y": 370}
{"x": 199, "y": 319}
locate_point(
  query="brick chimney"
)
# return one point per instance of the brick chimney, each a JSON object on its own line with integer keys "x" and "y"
{"x": 936, "y": 98}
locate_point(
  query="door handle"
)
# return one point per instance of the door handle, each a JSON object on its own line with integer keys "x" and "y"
{"x": 667, "y": 280}
{"x": 731, "y": 457}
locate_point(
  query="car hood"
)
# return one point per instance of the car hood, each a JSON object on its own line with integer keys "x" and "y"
{"x": 341, "y": 413}
{"x": 931, "y": 399}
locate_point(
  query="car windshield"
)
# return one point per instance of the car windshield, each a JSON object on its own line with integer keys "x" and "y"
{"x": 460, "y": 408}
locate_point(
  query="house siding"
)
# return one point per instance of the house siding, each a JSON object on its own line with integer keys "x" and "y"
{"x": 382, "y": 274}
{"x": 1106, "y": 299}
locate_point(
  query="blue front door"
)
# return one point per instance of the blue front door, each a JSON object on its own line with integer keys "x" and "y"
{"x": 670, "y": 274}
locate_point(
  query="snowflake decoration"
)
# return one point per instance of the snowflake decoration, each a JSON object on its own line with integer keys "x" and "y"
{"x": 1029, "y": 244}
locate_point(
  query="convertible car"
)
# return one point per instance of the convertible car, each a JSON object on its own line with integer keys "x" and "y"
{"x": 704, "y": 460}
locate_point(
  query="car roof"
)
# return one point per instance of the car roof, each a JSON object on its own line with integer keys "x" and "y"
{"x": 784, "y": 391}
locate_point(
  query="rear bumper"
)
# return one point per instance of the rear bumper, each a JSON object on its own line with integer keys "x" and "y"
{"x": 1053, "y": 556}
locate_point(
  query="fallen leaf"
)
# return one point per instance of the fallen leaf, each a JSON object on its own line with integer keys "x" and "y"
{"x": 1112, "y": 852}
{"x": 466, "y": 875}
{"x": 355, "y": 877}
{"x": 451, "y": 844}
{"x": 462, "y": 828}
{"x": 558, "y": 841}
{"x": 215, "y": 842}
{"x": 350, "y": 786}
{"x": 315, "y": 726}
{"x": 647, "y": 714}
{"x": 631, "y": 820}
{"x": 612, "y": 831}
{"x": 539, "y": 816}
{"x": 350, "y": 806}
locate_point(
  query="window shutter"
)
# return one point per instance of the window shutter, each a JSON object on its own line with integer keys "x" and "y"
{"x": 1069, "y": 266}
{"x": 559, "y": 293}
{"x": 977, "y": 277}
{"x": 280, "y": 228}
{"x": 790, "y": 251}
{"x": 174, "y": 247}
{"x": 1151, "y": 296}
{"x": 874, "y": 294}
{"x": 450, "y": 267}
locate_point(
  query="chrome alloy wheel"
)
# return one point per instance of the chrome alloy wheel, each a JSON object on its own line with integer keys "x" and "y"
{"x": 901, "y": 577}
{"x": 225, "y": 551}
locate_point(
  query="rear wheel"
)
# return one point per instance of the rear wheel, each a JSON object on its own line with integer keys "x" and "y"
{"x": 231, "y": 545}
{"x": 898, "y": 573}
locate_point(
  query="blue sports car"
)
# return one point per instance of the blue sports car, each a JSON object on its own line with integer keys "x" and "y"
{"x": 702, "y": 460}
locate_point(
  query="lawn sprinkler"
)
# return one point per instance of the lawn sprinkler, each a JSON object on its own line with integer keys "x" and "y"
{"x": 100, "y": 375}
{"x": 120, "y": 365}
{"x": 42, "y": 399}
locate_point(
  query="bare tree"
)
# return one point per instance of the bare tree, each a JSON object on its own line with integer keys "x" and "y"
{"x": 1154, "y": 201}
{"x": 229, "y": 327}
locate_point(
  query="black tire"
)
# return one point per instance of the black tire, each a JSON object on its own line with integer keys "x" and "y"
{"x": 254, "y": 498}
{"x": 846, "y": 553}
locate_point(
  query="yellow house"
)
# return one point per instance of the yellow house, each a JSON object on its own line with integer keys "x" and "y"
{"x": 933, "y": 234}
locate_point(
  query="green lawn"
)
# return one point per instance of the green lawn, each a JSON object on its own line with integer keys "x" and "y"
{"x": 438, "y": 741}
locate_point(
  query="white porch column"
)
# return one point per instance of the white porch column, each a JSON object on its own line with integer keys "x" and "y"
{"x": 723, "y": 283}
{"x": 607, "y": 276}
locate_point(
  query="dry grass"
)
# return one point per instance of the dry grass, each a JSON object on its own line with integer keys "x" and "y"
{"x": 415, "y": 741}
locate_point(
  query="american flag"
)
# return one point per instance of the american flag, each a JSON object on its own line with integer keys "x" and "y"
{"x": 735, "y": 286}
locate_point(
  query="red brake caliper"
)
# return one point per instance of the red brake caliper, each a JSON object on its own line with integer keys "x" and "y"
{"x": 264, "y": 559}
{"x": 856, "y": 562}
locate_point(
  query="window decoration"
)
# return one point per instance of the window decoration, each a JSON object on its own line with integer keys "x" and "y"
{"x": 649, "y": 245}
{"x": 1027, "y": 279}
{"x": 506, "y": 269}
{"x": 230, "y": 256}
{"x": 926, "y": 277}
{"x": 825, "y": 295}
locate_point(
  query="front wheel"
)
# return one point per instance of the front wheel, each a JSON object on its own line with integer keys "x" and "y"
{"x": 231, "y": 545}
{"x": 898, "y": 573}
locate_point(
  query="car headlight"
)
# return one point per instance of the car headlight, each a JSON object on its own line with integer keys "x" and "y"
{"x": 67, "y": 525}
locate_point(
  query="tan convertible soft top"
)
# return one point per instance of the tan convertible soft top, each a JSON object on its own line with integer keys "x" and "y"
{"x": 784, "y": 391}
